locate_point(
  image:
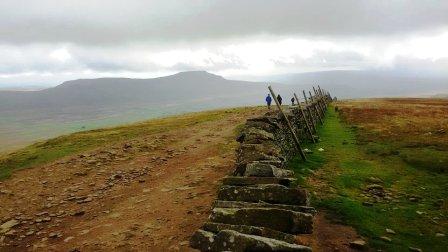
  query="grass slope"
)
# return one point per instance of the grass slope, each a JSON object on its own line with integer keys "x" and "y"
{"x": 340, "y": 174}
{"x": 50, "y": 150}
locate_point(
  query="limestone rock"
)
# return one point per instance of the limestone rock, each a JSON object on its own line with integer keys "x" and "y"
{"x": 269, "y": 124}
{"x": 242, "y": 204}
{"x": 276, "y": 194}
{"x": 376, "y": 189}
{"x": 254, "y": 135}
{"x": 202, "y": 240}
{"x": 390, "y": 231}
{"x": 229, "y": 240}
{"x": 5, "y": 227}
{"x": 248, "y": 153}
{"x": 277, "y": 219}
{"x": 374, "y": 180}
{"x": 243, "y": 181}
{"x": 257, "y": 169}
{"x": 250, "y": 230}
{"x": 282, "y": 173}
{"x": 386, "y": 239}
{"x": 358, "y": 244}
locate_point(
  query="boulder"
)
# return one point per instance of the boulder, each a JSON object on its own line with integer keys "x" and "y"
{"x": 277, "y": 219}
{"x": 270, "y": 193}
{"x": 229, "y": 240}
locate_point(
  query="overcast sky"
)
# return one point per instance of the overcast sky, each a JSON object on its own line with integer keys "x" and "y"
{"x": 47, "y": 42}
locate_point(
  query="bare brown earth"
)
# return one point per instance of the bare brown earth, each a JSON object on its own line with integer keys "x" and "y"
{"x": 328, "y": 235}
{"x": 149, "y": 194}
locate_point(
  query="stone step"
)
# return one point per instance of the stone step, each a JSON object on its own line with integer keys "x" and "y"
{"x": 286, "y": 221}
{"x": 250, "y": 230}
{"x": 230, "y": 240}
{"x": 270, "y": 193}
{"x": 242, "y": 204}
{"x": 243, "y": 181}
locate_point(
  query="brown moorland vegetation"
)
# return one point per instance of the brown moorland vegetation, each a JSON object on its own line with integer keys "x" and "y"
{"x": 383, "y": 169}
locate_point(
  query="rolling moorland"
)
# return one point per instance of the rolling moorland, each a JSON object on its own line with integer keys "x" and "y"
{"x": 381, "y": 177}
{"x": 384, "y": 171}
{"x": 79, "y": 105}
{"x": 27, "y": 116}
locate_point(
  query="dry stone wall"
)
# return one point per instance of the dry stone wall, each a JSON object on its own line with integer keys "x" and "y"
{"x": 258, "y": 208}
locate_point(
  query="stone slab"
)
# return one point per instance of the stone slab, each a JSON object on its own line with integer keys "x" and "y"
{"x": 270, "y": 193}
{"x": 286, "y": 221}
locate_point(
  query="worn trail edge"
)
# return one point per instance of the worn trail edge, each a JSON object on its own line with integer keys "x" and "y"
{"x": 260, "y": 208}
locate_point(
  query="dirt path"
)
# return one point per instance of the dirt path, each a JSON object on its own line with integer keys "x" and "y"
{"x": 150, "y": 193}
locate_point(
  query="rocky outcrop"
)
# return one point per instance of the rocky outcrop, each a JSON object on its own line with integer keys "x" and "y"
{"x": 260, "y": 208}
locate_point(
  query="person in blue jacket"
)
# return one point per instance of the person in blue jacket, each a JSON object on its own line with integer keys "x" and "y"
{"x": 268, "y": 101}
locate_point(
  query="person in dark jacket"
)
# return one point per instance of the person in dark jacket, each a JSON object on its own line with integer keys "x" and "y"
{"x": 279, "y": 99}
{"x": 268, "y": 101}
{"x": 292, "y": 101}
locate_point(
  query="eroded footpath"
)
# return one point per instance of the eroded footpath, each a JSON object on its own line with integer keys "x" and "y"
{"x": 149, "y": 193}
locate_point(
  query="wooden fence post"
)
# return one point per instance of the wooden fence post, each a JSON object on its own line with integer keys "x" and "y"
{"x": 294, "y": 136}
{"x": 317, "y": 110}
{"x": 310, "y": 113}
{"x": 306, "y": 119}
{"x": 319, "y": 102}
{"x": 323, "y": 96}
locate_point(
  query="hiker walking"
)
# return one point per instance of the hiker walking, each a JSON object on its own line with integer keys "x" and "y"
{"x": 279, "y": 99}
{"x": 292, "y": 101}
{"x": 268, "y": 101}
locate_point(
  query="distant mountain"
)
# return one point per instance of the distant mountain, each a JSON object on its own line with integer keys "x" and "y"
{"x": 94, "y": 103}
{"x": 441, "y": 96}
{"x": 87, "y": 98}
{"x": 76, "y": 105}
{"x": 357, "y": 84}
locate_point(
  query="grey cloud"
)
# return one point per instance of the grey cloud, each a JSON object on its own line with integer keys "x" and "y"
{"x": 422, "y": 67}
{"x": 113, "y": 21}
{"x": 327, "y": 59}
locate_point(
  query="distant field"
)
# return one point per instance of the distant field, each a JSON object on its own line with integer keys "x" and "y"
{"x": 400, "y": 148}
